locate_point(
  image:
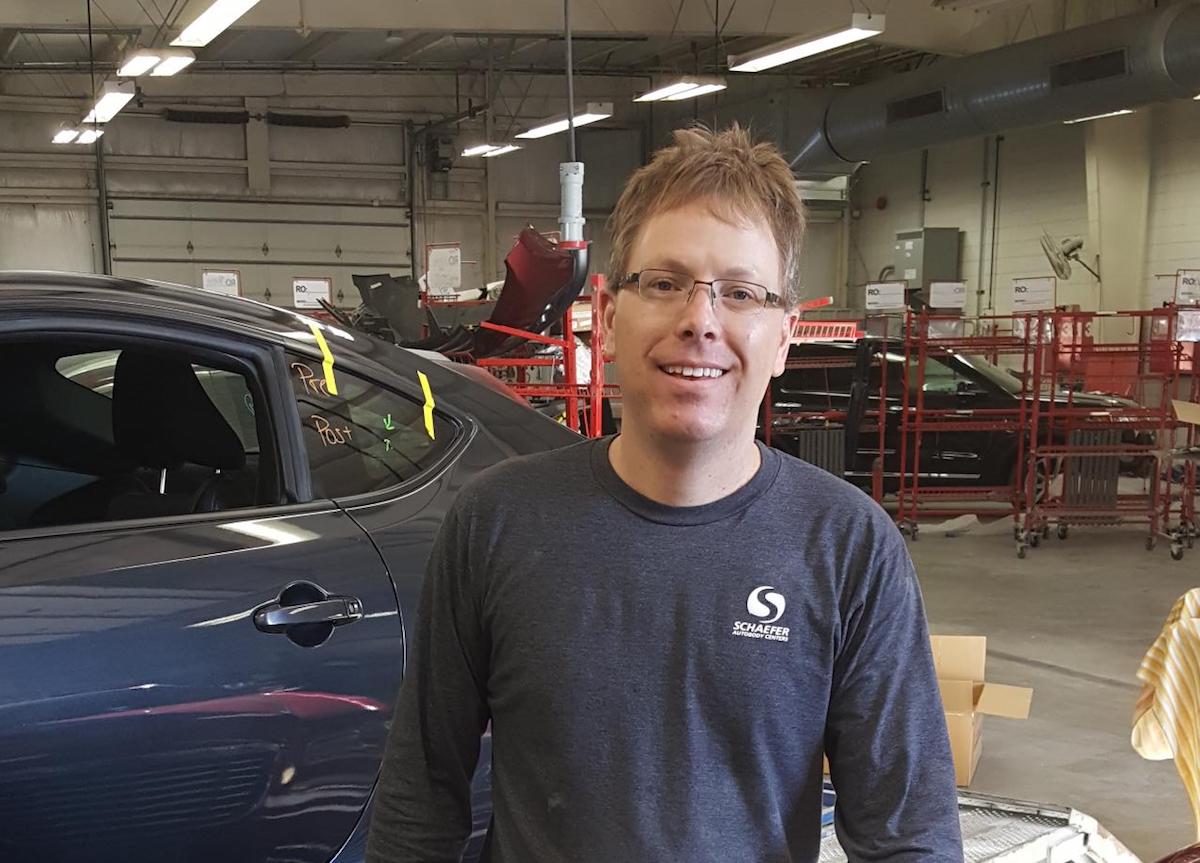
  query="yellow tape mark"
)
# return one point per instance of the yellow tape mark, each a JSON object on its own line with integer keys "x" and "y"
{"x": 428, "y": 404}
{"x": 327, "y": 364}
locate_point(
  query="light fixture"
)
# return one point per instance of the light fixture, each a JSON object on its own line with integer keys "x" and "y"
{"x": 698, "y": 90}
{"x": 500, "y": 151}
{"x": 65, "y": 136}
{"x": 89, "y": 136}
{"x": 479, "y": 150}
{"x": 595, "y": 111}
{"x": 212, "y": 22}
{"x": 1098, "y": 116}
{"x": 684, "y": 88}
{"x": 1197, "y": 97}
{"x": 862, "y": 26}
{"x": 138, "y": 63}
{"x": 174, "y": 60}
{"x": 112, "y": 98}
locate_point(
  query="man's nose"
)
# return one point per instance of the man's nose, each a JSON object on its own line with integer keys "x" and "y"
{"x": 699, "y": 320}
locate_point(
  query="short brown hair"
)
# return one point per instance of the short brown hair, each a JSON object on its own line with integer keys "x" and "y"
{"x": 743, "y": 179}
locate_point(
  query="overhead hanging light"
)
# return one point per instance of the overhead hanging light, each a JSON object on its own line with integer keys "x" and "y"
{"x": 112, "y": 98}
{"x": 138, "y": 63}
{"x": 595, "y": 112}
{"x": 174, "y": 60}
{"x": 89, "y": 136}
{"x": 687, "y": 87}
{"x": 500, "y": 151}
{"x": 65, "y": 136}
{"x": 213, "y": 21}
{"x": 479, "y": 150}
{"x": 862, "y": 26}
{"x": 1098, "y": 116}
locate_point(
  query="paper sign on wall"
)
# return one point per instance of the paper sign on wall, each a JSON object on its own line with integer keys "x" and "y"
{"x": 1034, "y": 294}
{"x": 444, "y": 269}
{"x": 307, "y": 291}
{"x": 948, "y": 295}
{"x": 1187, "y": 287}
{"x": 885, "y": 295}
{"x": 226, "y": 282}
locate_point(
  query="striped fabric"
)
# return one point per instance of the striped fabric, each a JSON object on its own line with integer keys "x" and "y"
{"x": 1166, "y": 720}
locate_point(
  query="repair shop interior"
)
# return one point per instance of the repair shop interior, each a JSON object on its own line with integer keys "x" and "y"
{"x": 276, "y": 276}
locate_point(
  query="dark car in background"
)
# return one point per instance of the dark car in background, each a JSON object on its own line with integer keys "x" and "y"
{"x": 953, "y": 381}
{"x": 214, "y": 521}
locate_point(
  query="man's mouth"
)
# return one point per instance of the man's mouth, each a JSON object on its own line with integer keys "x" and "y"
{"x": 695, "y": 372}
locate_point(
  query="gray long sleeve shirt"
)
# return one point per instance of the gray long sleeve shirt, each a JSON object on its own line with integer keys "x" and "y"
{"x": 662, "y": 682}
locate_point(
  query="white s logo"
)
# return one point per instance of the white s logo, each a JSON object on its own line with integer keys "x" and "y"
{"x": 765, "y": 604}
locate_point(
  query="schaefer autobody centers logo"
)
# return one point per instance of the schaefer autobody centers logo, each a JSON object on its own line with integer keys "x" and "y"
{"x": 765, "y": 605}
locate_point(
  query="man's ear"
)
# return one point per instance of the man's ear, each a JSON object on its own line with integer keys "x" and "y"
{"x": 787, "y": 330}
{"x": 608, "y": 313}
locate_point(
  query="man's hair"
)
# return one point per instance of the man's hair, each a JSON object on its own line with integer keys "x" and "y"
{"x": 742, "y": 180}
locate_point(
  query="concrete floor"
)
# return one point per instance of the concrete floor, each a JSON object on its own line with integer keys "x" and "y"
{"x": 1073, "y": 620}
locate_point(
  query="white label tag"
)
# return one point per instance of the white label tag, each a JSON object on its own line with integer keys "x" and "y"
{"x": 948, "y": 295}
{"x": 307, "y": 291}
{"x": 1031, "y": 295}
{"x": 884, "y": 295}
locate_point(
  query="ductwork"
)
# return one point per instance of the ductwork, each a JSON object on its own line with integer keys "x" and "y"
{"x": 1119, "y": 63}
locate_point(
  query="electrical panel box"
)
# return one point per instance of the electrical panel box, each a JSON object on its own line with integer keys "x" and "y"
{"x": 927, "y": 255}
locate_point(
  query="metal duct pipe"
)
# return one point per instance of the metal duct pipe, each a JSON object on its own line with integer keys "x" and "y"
{"x": 1119, "y": 63}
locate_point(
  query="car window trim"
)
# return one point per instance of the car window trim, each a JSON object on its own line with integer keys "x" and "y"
{"x": 255, "y": 354}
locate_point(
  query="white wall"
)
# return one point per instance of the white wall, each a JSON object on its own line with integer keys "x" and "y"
{"x": 1042, "y": 186}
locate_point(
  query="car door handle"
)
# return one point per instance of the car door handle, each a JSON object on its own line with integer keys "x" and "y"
{"x": 335, "y": 610}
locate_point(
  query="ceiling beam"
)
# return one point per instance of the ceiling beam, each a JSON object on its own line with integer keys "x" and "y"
{"x": 8, "y": 38}
{"x": 412, "y": 47}
{"x": 315, "y": 44}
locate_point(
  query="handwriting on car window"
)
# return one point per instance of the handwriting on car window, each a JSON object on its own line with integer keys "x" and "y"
{"x": 331, "y": 435}
{"x": 313, "y": 385}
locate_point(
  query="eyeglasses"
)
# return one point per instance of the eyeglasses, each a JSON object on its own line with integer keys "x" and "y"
{"x": 670, "y": 289}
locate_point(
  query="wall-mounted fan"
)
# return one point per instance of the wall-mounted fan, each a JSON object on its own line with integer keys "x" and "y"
{"x": 1061, "y": 253}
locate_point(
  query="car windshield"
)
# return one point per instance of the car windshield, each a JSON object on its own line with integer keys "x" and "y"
{"x": 992, "y": 372}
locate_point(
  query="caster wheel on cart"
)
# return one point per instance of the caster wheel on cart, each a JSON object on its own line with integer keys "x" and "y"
{"x": 1021, "y": 551}
{"x": 1063, "y": 530}
{"x": 1150, "y": 543}
{"x": 1017, "y": 534}
{"x": 1035, "y": 539}
{"x": 1176, "y": 551}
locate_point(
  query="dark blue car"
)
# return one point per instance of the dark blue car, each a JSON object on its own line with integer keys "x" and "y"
{"x": 214, "y": 519}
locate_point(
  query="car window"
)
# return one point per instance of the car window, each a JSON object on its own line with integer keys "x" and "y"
{"x": 227, "y": 390}
{"x": 939, "y": 377}
{"x": 366, "y": 437}
{"x": 99, "y": 432}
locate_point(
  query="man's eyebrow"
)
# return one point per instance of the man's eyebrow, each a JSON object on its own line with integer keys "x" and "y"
{"x": 739, "y": 271}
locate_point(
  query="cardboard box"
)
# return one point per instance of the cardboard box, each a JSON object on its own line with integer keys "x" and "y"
{"x": 961, "y": 663}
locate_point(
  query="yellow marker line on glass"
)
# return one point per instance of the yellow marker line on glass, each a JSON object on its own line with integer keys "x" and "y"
{"x": 327, "y": 363}
{"x": 428, "y": 404}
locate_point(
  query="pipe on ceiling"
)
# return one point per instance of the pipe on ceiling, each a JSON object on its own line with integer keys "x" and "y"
{"x": 1120, "y": 63}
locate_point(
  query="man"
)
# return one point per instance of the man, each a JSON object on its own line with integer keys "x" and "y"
{"x": 667, "y": 629}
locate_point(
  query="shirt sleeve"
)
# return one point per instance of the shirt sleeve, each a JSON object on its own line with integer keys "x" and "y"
{"x": 885, "y": 737}
{"x": 422, "y": 809}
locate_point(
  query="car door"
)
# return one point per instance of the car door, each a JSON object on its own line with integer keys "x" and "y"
{"x": 208, "y": 684}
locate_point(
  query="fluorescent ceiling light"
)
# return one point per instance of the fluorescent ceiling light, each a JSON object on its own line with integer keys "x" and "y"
{"x": 173, "y": 62}
{"x": 65, "y": 136}
{"x": 113, "y": 97}
{"x": 667, "y": 91}
{"x": 479, "y": 150}
{"x": 500, "y": 151}
{"x": 1197, "y": 97}
{"x": 595, "y": 111}
{"x": 1099, "y": 116}
{"x": 698, "y": 90}
{"x": 138, "y": 63}
{"x": 684, "y": 88}
{"x": 862, "y": 26}
{"x": 212, "y": 22}
{"x": 89, "y": 136}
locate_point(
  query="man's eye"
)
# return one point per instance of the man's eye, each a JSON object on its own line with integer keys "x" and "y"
{"x": 663, "y": 285}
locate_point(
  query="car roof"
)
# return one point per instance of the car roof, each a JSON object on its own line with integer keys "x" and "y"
{"x": 48, "y": 289}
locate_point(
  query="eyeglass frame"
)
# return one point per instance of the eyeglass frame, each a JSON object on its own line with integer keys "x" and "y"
{"x": 772, "y": 299}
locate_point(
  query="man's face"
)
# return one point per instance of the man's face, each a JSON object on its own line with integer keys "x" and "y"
{"x": 650, "y": 341}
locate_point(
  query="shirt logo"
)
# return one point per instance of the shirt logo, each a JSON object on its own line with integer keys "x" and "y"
{"x": 766, "y": 605}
